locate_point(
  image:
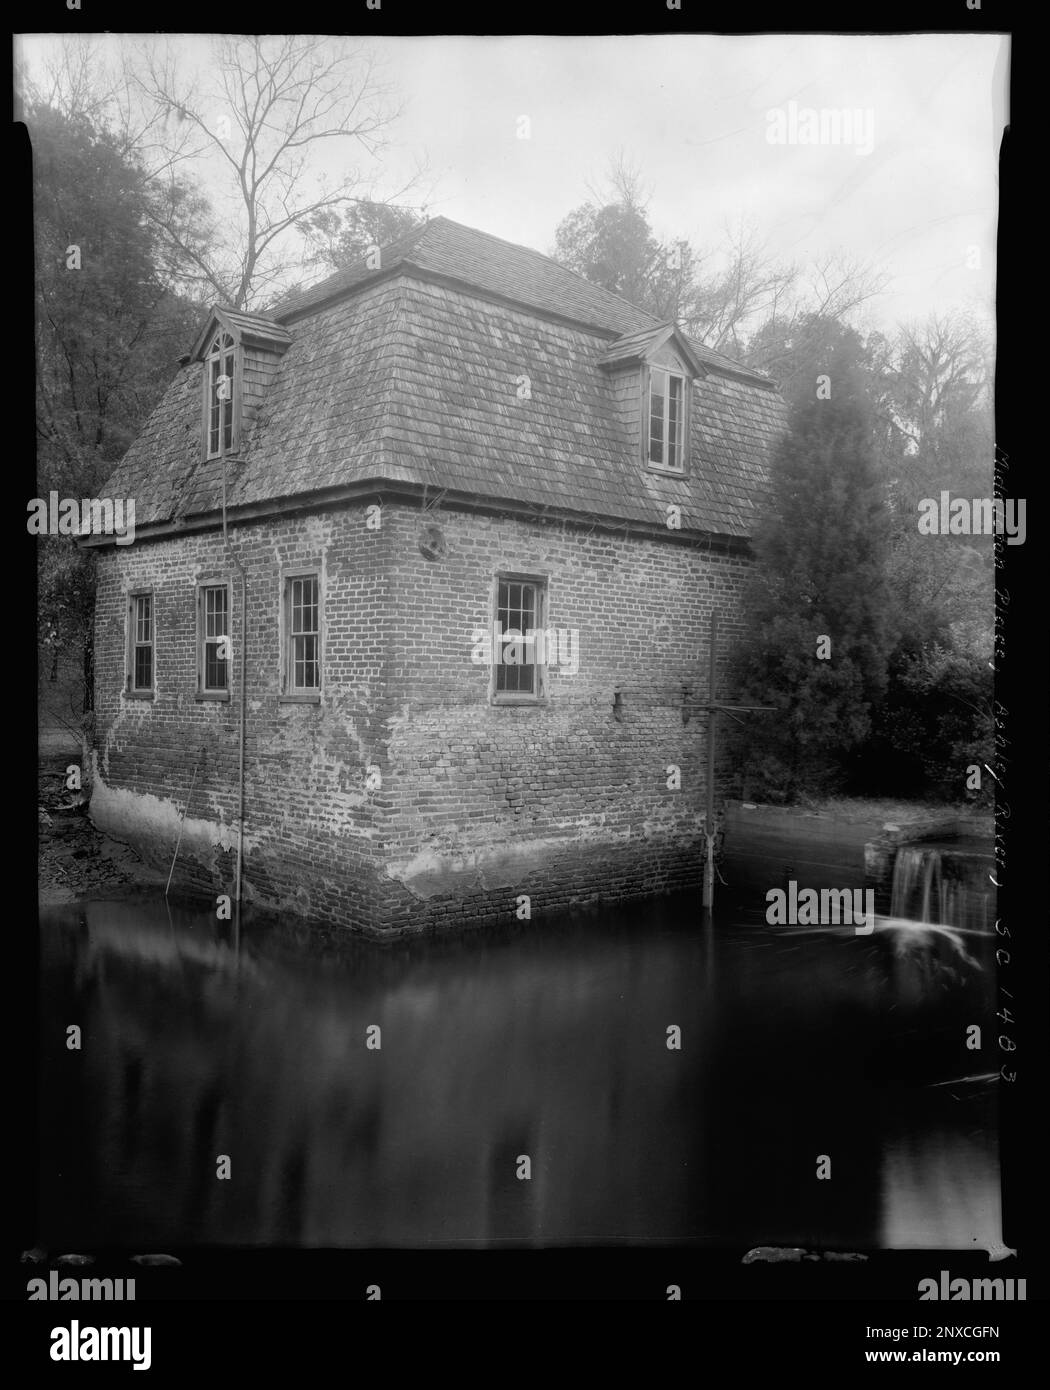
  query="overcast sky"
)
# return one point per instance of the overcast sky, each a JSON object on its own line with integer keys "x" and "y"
{"x": 693, "y": 113}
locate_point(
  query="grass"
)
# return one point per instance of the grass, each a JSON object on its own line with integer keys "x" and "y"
{"x": 887, "y": 809}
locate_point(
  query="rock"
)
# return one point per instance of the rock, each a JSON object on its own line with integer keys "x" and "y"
{"x": 773, "y": 1254}
{"x": 157, "y": 1261}
{"x": 74, "y": 1260}
{"x": 36, "y": 1256}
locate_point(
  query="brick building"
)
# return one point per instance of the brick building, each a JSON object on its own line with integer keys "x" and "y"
{"x": 424, "y": 458}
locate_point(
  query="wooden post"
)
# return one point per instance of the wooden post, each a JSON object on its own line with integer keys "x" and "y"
{"x": 712, "y": 709}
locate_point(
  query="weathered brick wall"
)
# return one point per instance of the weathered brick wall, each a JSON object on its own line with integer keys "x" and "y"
{"x": 478, "y": 804}
{"x": 563, "y": 802}
{"x": 310, "y": 822}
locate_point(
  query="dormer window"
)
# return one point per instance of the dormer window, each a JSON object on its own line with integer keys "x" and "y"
{"x": 667, "y": 398}
{"x": 220, "y": 381}
{"x": 240, "y": 354}
{"x": 653, "y": 374}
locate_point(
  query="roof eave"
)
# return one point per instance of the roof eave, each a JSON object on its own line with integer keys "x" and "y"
{"x": 250, "y": 512}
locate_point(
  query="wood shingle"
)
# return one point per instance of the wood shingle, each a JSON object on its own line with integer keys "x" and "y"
{"x": 413, "y": 374}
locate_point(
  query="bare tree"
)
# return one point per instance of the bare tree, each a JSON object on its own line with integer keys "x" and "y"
{"x": 778, "y": 306}
{"x": 73, "y": 80}
{"x": 752, "y": 285}
{"x": 261, "y": 110}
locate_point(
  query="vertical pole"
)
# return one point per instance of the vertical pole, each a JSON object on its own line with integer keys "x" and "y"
{"x": 222, "y": 455}
{"x": 709, "y": 824}
{"x": 244, "y": 648}
{"x": 240, "y": 763}
{"x": 182, "y": 821}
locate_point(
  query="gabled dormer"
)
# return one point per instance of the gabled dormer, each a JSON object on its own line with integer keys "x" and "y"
{"x": 653, "y": 373}
{"x": 240, "y": 353}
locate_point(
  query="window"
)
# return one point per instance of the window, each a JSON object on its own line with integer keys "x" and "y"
{"x": 219, "y": 380}
{"x": 302, "y": 626}
{"x": 213, "y": 633}
{"x": 518, "y": 655}
{"x": 141, "y": 641}
{"x": 666, "y": 420}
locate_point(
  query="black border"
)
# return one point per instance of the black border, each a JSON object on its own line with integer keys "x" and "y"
{"x": 793, "y": 1299}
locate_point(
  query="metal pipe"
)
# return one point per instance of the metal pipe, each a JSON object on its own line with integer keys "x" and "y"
{"x": 709, "y": 827}
{"x": 244, "y": 647}
{"x": 243, "y": 684}
{"x": 182, "y": 819}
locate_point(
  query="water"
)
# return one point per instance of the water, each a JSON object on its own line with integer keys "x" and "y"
{"x": 547, "y": 1040}
{"x": 944, "y": 883}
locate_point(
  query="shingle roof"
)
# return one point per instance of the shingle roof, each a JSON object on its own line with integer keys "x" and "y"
{"x": 414, "y": 380}
{"x": 250, "y": 328}
{"x": 632, "y": 347}
{"x": 449, "y": 249}
{"x": 258, "y": 327}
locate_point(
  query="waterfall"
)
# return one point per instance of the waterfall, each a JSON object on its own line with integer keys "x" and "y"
{"x": 945, "y": 884}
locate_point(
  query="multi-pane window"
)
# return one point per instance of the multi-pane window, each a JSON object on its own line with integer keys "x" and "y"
{"x": 303, "y": 634}
{"x": 219, "y": 383}
{"x": 213, "y": 618}
{"x": 666, "y": 419}
{"x": 141, "y": 642}
{"x": 517, "y": 654}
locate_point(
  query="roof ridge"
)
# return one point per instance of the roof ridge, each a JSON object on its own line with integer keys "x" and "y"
{"x": 731, "y": 363}
{"x": 311, "y": 299}
{"x": 517, "y": 245}
{"x": 399, "y": 245}
{"x": 656, "y": 321}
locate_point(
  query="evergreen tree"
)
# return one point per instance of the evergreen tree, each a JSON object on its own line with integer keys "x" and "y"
{"x": 818, "y": 615}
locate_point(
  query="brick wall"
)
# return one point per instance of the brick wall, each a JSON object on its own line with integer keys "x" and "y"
{"x": 310, "y": 823}
{"x": 563, "y": 802}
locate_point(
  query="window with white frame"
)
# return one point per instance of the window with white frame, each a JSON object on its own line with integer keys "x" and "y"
{"x": 141, "y": 643}
{"x": 667, "y": 420}
{"x": 302, "y": 629}
{"x": 213, "y": 639}
{"x": 518, "y": 656}
{"x": 220, "y": 385}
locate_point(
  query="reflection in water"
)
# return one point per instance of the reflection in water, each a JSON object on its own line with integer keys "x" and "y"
{"x": 935, "y": 1189}
{"x": 546, "y": 1042}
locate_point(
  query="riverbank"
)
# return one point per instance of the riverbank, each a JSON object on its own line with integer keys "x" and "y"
{"x": 827, "y": 843}
{"x": 74, "y": 859}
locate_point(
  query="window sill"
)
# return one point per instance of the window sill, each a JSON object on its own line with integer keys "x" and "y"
{"x": 139, "y": 694}
{"x": 218, "y": 696}
{"x": 667, "y": 472}
{"x": 299, "y": 699}
{"x": 522, "y": 701}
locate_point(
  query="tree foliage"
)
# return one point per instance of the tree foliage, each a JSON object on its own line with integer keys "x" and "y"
{"x": 819, "y": 578}
{"x": 341, "y": 238}
{"x": 735, "y": 297}
{"x": 108, "y": 332}
{"x": 934, "y": 725}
